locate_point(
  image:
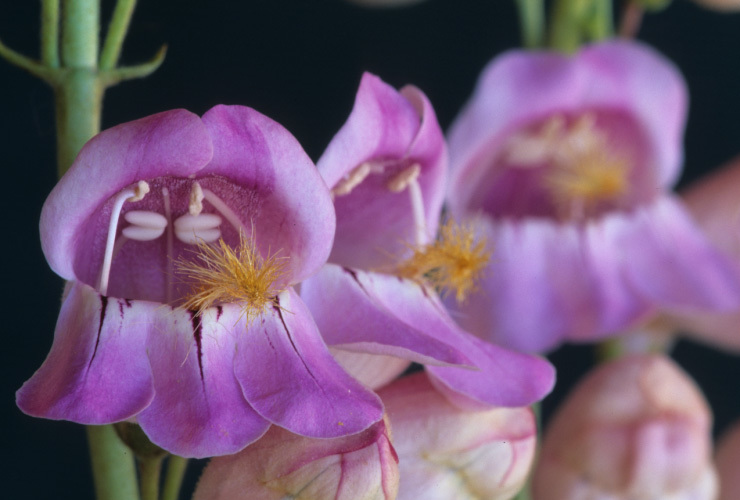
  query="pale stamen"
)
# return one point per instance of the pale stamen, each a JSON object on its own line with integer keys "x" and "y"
{"x": 191, "y": 229}
{"x": 195, "y": 207}
{"x": 145, "y": 225}
{"x": 170, "y": 243}
{"x": 224, "y": 210}
{"x": 136, "y": 193}
{"x": 408, "y": 179}
{"x": 353, "y": 179}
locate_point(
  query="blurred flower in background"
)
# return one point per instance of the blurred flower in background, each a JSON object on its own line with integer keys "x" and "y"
{"x": 564, "y": 163}
{"x": 637, "y": 427}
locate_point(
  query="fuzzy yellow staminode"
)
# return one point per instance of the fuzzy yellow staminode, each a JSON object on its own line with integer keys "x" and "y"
{"x": 452, "y": 263}
{"x": 221, "y": 274}
{"x": 590, "y": 177}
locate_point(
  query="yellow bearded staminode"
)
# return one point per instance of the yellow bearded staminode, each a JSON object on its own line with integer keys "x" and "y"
{"x": 453, "y": 263}
{"x": 592, "y": 176}
{"x": 221, "y": 274}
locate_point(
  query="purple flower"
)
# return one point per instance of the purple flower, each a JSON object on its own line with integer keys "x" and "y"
{"x": 563, "y": 163}
{"x": 386, "y": 169}
{"x": 182, "y": 238}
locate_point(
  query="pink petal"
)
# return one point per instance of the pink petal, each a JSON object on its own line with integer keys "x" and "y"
{"x": 97, "y": 371}
{"x": 399, "y": 129}
{"x": 668, "y": 260}
{"x": 199, "y": 410}
{"x": 290, "y": 208}
{"x": 289, "y": 377}
{"x": 548, "y": 282}
{"x": 170, "y": 143}
{"x": 504, "y": 378}
{"x": 379, "y": 314}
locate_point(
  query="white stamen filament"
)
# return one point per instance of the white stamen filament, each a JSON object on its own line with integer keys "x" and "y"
{"x": 170, "y": 243}
{"x": 224, "y": 210}
{"x": 132, "y": 194}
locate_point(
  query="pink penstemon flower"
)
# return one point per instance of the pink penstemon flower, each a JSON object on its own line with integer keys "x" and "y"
{"x": 563, "y": 163}
{"x": 182, "y": 237}
{"x": 386, "y": 168}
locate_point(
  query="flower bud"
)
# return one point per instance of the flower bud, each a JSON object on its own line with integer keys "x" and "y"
{"x": 281, "y": 465}
{"x": 727, "y": 459}
{"x": 445, "y": 452}
{"x": 373, "y": 370}
{"x": 635, "y": 428}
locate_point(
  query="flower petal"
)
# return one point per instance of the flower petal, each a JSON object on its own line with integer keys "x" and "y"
{"x": 379, "y": 314}
{"x": 289, "y": 377}
{"x": 504, "y": 378}
{"x": 170, "y": 143}
{"x": 290, "y": 208}
{"x": 199, "y": 410}
{"x": 670, "y": 261}
{"x": 97, "y": 371}
{"x": 399, "y": 130}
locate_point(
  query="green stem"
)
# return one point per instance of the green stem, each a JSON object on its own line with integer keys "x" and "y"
{"x": 565, "y": 30}
{"x": 149, "y": 471}
{"x": 532, "y": 21}
{"x": 173, "y": 477}
{"x": 79, "y": 101}
{"x": 116, "y": 33}
{"x": 50, "y": 33}
{"x": 112, "y": 465}
{"x": 602, "y": 20}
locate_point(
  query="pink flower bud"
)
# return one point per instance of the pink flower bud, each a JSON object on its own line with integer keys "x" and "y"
{"x": 281, "y": 465}
{"x": 445, "y": 452}
{"x": 727, "y": 459}
{"x": 635, "y": 428}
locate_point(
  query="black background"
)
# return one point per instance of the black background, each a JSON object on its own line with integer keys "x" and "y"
{"x": 299, "y": 62}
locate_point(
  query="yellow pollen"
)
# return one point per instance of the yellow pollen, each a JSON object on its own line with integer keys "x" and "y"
{"x": 591, "y": 177}
{"x": 452, "y": 263}
{"x": 221, "y": 274}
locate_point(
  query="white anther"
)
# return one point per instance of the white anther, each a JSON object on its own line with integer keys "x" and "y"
{"x": 141, "y": 233}
{"x": 202, "y": 236}
{"x": 189, "y": 222}
{"x": 352, "y": 179}
{"x": 402, "y": 179}
{"x": 145, "y": 218}
{"x": 194, "y": 228}
{"x": 195, "y": 207}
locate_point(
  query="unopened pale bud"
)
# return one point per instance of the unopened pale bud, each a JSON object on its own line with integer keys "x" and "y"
{"x": 282, "y": 465}
{"x": 448, "y": 453}
{"x": 727, "y": 460}
{"x": 635, "y": 428}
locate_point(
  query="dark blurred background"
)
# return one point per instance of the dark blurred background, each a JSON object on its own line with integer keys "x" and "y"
{"x": 299, "y": 62}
